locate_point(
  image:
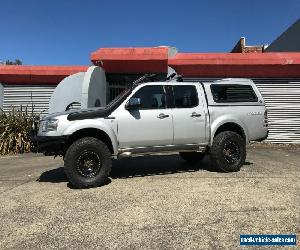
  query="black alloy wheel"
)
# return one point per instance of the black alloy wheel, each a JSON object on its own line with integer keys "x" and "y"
{"x": 228, "y": 151}
{"x": 231, "y": 152}
{"x": 88, "y": 164}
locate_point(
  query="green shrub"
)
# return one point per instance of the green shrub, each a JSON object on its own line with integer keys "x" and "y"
{"x": 15, "y": 129}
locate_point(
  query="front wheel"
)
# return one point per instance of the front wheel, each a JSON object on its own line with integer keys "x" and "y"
{"x": 88, "y": 163}
{"x": 228, "y": 151}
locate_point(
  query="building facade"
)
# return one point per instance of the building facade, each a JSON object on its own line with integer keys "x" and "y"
{"x": 277, "y": 75}
{"x": 31, "y": 86}
{"x": 275, "y": 69}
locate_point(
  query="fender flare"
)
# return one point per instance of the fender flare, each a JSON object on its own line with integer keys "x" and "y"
{"x": 220, "y": 122}
{"x": 94, "y": 125}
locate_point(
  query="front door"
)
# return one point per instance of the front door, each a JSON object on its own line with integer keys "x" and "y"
{"x": 150, "y": 124}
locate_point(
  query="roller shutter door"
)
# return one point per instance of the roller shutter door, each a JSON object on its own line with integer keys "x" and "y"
{"x": 37, "y": 96}
{"x": 282, "y": 99}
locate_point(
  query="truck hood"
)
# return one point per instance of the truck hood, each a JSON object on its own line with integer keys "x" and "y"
{"x": 80, "y": 114}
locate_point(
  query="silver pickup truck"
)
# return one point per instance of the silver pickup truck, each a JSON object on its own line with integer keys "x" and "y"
{"x": 191, "y": 118}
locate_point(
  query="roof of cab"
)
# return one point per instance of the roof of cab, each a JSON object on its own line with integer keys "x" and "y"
{"x": 232, "y": 81}
{"x": 221, "y": 81}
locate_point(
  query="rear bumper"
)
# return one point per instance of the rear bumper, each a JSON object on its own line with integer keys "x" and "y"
{"x": 50, "y": 145}
{"x": 263, "y": 138}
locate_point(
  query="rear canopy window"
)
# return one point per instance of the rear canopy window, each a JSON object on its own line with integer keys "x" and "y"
{"x": 233, "y": 93}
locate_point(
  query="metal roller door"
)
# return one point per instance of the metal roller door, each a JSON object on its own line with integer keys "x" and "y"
{"x": 282, "y": 98}
{"x": 37, "y": 96}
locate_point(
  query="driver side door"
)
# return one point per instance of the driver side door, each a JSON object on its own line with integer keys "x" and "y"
{"x": 148, "y": 125}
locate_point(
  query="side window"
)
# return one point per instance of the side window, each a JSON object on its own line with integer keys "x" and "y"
{"x": 185, "y": 96}
{"x": 233, "y": 93}
{"x": 152, "y": 97}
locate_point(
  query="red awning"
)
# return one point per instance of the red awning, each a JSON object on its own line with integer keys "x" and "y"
{"x": 132, "y": 60}
{"x": 155, "y": 60}
{"x": 21, "y": 74}
{"x": 236, "y": 64}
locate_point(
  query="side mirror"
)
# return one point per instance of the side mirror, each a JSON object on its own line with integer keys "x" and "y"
{"x": 133, "y": 103}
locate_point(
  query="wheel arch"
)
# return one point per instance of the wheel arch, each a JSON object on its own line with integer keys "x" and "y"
{"x": 230, "y": 126}
{"x": 93, "y": 132}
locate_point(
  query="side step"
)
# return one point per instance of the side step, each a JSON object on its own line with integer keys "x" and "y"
{"x": 160, "y": 150}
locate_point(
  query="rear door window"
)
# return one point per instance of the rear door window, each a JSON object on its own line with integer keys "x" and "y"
{"x": 233, "y": 93}
{"x": 185, "y": 96}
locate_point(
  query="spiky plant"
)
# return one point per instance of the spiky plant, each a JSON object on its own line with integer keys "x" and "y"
{"x": 15, "y": 128}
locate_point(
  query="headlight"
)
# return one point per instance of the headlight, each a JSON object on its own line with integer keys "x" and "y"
{"x": 48, "y": 125}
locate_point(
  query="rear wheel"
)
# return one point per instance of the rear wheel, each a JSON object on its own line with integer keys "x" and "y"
{"x": 192, "y": 156}
{"x": 228, "y": 152}
{"x": 88, "y": 163}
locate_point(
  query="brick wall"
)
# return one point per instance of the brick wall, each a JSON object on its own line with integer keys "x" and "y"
{"x": 241, "y": 47}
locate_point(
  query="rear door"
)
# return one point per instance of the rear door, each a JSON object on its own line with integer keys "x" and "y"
{"x": 189, "y": 115}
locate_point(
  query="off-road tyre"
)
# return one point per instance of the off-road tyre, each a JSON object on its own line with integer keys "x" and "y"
{"x": 220, "y": 151}
{"x": 192, "y": 157}
{"x": 88, "y": 163}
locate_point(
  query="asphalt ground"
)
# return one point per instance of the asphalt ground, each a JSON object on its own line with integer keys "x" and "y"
{"x": 155, "y": 202}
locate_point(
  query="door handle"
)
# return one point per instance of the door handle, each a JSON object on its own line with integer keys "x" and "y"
{"x": 162, "y": 116}
{"x": 194, "y": 114}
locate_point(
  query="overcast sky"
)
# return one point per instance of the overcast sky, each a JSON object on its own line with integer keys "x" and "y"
{"x": 65, "y": 32}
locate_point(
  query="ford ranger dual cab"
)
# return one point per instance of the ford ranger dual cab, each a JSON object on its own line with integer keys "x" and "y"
{"x": 194, "y": 119}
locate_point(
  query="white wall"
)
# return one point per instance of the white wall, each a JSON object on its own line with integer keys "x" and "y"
{"x": 94, "y": 88}
{"x": 66, "y": 92}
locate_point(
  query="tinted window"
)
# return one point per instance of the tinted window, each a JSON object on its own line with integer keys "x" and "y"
{"x": 233, "y": 93}
{"x": 185, "y": 96}
{"x": 152, "y": 97}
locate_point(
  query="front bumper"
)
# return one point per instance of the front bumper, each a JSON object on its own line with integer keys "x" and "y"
{"x": 50, "y": 145}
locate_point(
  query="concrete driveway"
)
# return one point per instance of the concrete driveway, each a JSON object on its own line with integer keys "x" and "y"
{"x": 150, "y": 203}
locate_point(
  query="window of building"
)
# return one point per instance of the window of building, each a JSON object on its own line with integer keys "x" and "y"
{"x": 185, "y": 96}
{"x": 152, "y": 97}
{"x": 233, "y": 93}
